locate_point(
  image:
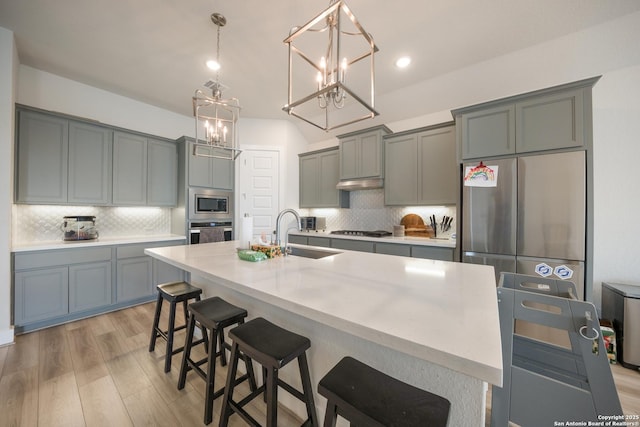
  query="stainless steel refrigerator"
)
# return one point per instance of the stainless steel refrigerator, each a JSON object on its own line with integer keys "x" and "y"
{"x": 533, "y": 221}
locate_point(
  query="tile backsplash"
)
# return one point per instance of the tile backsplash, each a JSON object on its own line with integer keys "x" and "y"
{"x": 368, "y": 212}
{"x": 32, "y": 223}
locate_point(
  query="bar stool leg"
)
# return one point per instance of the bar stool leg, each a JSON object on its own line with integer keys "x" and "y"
{"x": 307, "y": 389}
{"x": 156, "y": 320}
{"x": 331, "y": 414}
{"x": 225, "y": 411}
{"x": 186, "y": 352}
{"x": 169, "y": 352}
{"x": 272, "y": 397}
{"x": 211, "y": 375}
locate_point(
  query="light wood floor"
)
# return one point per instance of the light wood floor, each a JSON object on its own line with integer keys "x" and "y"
{"x": 98, "y": 371}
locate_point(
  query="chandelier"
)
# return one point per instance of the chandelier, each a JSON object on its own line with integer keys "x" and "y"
{"x": 348, "y": 52}
{"x": 216, "y": 117}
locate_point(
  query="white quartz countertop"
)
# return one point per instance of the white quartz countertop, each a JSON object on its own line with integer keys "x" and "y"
{"x": 442, "y": 312}
{"x": 406, "y": 240}
{"x": 102, "y": 241}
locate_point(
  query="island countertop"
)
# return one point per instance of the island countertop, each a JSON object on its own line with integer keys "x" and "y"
{"x": 442, "y": 312}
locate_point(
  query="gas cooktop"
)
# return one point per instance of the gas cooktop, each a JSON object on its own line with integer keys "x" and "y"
{"x": 376, "y": 233}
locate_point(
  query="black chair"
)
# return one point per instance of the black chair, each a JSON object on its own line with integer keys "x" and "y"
{"x": 213, "y": 314}
{"x": 367, "y": 397}
{"x": 273, "y": 347}
{"x": 174, "y": 293}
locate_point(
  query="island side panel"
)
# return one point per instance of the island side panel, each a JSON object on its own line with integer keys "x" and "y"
{"x": 329, "y": 345}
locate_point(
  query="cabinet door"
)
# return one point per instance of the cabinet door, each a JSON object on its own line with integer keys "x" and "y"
{"x": 370, "y": 155}
{"x": 438, "y": 168}
{"x": 401, "y": 171}
{"x": 42, "y": 158}
{"x": 301, "y": 240}
{"x": 162, "y": 173}
{"x": 41, "y": 294}
{"x": 489, "y": 132}
{"x": 222, "y": 173}
{"x": 324, "y": 242}
{"x": 133, "y": 278}
{"x": 328, "y": 195}
{"x": 129, "y": 169}
{"x": 309, "y": 181}
{"x": 199, "y": 167}
{"x": 549, "y": 122}
{"x": 89, "y": 164}
{"x": 349, "y": 158}
{"x": 89, "y": 286}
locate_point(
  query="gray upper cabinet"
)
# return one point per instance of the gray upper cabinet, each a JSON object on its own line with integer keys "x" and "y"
{"x": 489, "y": 132}
{"x": 129, "y": 169}
{"x": 362, "y": 153}
{"x": 42, "y": 158}
{"x": 548, "y": 119}
{"x": 145, "y": 171}
{"x": 210, "y": 172}
{"x": 421, "y": 167}
{"x": 162, "y": 173}
{"x": 90, "y": 168}
{"x": 318, "y": 180}
{"x": 549, "y": 122}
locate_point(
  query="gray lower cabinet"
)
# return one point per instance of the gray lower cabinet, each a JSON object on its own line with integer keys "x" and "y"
{"x": 352, "y": 245}
{"x": 393, "y": 249}
{"x": 41, "y": 294}
{"x": 324, "y": 242}
{"x": 56, "y": 286}
{"x": 300, "y": 240}
{"x": 319, "y": 176}
{"x": 421, "y": 167}
{"x": 90, "y": 286}
{"x": 432, "y": 252}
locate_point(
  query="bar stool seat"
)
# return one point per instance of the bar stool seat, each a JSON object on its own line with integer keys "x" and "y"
{"x": 173, "y": 292}
{"x": 272, "y": 347}
{"x": 367, "y": 397}
{"x": 213, "y": 314}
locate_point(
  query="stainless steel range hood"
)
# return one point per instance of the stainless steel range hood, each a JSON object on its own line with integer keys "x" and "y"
{"x": 360, "y": 184}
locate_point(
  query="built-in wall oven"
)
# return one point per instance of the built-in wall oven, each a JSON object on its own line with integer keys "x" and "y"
{"x": 206, "y": 204}
{"x": 210, "y": 231}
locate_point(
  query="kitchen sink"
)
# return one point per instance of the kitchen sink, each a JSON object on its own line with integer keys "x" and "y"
{"x": 311, "y": 253}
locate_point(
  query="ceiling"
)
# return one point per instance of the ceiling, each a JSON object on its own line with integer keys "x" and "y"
{"x": 154, "y": 50}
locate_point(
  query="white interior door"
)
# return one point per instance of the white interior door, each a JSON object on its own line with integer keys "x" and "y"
{"x": 259, "y": 190}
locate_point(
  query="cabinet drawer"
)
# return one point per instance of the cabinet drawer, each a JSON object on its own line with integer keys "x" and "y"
{"x": 352, "y": 245}
{"x": 393, "y": 249}
{"x": 430, "y": 252}
{"x": 324, "y": 242}
{"x": 301, "y": 240}
{"x": 24, "y": 261}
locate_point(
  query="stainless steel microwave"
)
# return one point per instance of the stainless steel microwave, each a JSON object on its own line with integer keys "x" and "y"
{"x": 209, "y": 204}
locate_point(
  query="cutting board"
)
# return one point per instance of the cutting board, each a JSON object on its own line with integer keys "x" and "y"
{"x": 414, "y": 226}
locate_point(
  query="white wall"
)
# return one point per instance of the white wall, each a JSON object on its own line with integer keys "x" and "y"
{"x": 8, "y": 75}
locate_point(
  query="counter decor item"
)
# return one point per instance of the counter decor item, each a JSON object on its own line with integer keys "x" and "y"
{"x": 246, "y": 232}
{"x": 271, "y": 251}
{"x": 414, "y": 226}
{"x": 79, "y": 228}
{"x": 398, "y": 231}
{"x": 250, "y": 255}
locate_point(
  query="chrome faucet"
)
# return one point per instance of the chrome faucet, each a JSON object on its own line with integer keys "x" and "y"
{"x": 286, "y": 237}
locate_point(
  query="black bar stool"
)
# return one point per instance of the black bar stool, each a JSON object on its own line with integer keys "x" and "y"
{"x": 367, "y": 397}
{"x": 174, "y": 293}
{"x": 272, "y": 347}
{"x": 213, "y": 314}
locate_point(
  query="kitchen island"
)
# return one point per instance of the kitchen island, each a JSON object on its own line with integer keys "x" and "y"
{"x": 433, "y": 324}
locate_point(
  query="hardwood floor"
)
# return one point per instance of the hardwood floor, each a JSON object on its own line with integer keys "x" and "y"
{"x": 98, "y": 371}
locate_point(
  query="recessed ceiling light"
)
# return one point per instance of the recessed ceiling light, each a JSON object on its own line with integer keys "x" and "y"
{"x": 403, "y": 62}
{"x": 213, "y": 65}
